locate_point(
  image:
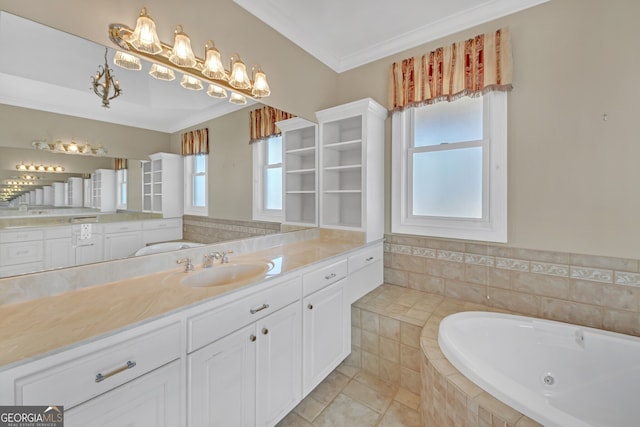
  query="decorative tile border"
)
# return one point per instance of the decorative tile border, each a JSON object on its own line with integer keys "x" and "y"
{"x": 450, "y": 256}
{"x": 592, "y": 274}
{"x": 474, "y": 259}
{"x": 512, "y": 264}
{"x": 424, "y": 252}
{"x": 549, "y": 269}
{"x": 626, "y": 279}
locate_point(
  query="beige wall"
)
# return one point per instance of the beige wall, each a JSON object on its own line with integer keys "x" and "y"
{"x": 573, "y": 177}
{"x": 230, "y": 165}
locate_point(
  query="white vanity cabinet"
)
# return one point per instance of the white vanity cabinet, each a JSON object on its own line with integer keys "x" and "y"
{"x": 352, "y": 167}
{"x": 58, "y": 247}
{"x": 132, "y": 378}
{"x": 366, "y": 271}
{"x": 326, "y": 323}
{"x": 161, "y": 230}
{"x": 121, "y": 239}
{"x": 21, "y": 251}
{"x": 248, "y": 372}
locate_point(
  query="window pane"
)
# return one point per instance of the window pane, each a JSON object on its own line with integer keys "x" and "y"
{"x": 199, "y": 188}
{"x": 456, "y": 121}
{"x": 274, "y": 150}
{"x": 448, "y": 183}
{"x": 199, "y": 164}
{"x": 273, "y": 189}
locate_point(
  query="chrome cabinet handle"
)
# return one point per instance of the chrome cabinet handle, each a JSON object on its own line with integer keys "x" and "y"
{"x": 265, "y": 331}
{"x": 100, "y": 377}
{"x": 310, "y": 306}
{"x": 369, "y": 259}
{"x": 330, "y": 276}
{"x": 255, "y": 310}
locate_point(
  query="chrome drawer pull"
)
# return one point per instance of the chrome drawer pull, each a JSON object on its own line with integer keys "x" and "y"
{"x": 129, "y": 365}
{"x": 262, "y": 307}
{"x": 369, "y": 259}
{"x": 330, "y": 276}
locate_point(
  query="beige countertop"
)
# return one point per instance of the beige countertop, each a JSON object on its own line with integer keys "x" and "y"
{"x": 35, "y": 327}
{"x": 52, "y": 220}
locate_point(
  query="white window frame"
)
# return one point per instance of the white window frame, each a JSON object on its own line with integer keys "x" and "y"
{"x": 189, "y": 175}
{"x": 259, "y": 182}
{"x": 122, "y": 176}
{"x": 493, "y": 226}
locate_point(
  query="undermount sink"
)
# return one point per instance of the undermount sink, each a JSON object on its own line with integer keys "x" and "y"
{"x": 225, "y": 274}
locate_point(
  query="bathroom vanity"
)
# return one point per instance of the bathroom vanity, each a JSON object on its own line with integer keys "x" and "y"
{"x": 152, "y": 351}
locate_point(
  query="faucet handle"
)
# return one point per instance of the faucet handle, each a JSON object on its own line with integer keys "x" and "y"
{"x": 188, "y": 264}
{"x": 225, "y": 256}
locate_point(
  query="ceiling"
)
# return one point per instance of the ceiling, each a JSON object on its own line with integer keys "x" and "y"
{"x": 343, "y": 34}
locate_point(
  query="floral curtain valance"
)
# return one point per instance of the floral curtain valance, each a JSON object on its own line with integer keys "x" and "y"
{"x": 467, "y": 68}
{"x": 262, "y": 122}
{"x": 119, "y": 163}
{"x": 195, "y": 142}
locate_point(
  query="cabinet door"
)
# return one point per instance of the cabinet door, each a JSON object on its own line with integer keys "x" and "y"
{"x": 152, "y": 400}
{"x": 326, "y": 333}
{"x": 121, "y": 245}
{"x": 89, "y": 251}
{"x": 221, "y": 381}
{"x": 279, "y": 367}
{"x": 59, "y": 253}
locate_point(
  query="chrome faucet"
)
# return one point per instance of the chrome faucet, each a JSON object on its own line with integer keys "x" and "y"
{"x": 207, "y": 260}
{"x": 188, "y": 264}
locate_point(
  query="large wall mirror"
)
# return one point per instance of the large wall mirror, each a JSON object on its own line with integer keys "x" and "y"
{"x": 45, "y": 81}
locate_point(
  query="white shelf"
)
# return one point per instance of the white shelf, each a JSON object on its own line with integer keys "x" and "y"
{"x": 342, "y": 191}
{"x": 343, "y": 168}
{"x": 301, "y": 171}
{"x": 301, "y": 192}
{"x": 344, "y": 145}
{"x": 306, "y": 151}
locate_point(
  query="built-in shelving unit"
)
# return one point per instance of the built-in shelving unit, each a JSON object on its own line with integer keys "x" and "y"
{"x": 300, "y": 172}
{"x": 352, "y": 169}
{"x": 162, "y": 184}
{"x": 103, "y": 187}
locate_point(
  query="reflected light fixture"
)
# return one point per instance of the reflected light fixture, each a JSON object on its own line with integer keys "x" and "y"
{"x": 127, "y": 61}
{"x": 190, "y": 83}
{"x": 39, "y": 168}
{"x": 144, "y": 42}
{"x": 215, "y": 91}
{"x": 103, "y": 83}
{"x": 161, "y": 72}
{"x": 237, "y": 99}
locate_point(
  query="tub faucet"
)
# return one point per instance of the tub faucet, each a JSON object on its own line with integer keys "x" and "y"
{"x": 188, "y": 264}
{"x": 225, "y": 256}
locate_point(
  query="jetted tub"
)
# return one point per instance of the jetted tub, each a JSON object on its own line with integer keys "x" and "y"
{"x": 157, "y": 248}
{"x": 558, "y": 374}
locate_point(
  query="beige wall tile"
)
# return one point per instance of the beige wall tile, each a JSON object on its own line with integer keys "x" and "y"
{"x": 513, "y": 301}
{"x": 356, "y": 337}
{"x": 476, "y": 274}
{"x": 465, "y": 291}
{"x": 539, "y": 284}
{"x": 395, "y": 277}
{"x": 355, "y": 317}
{"x": 445, "y": 269}
{"x": 410, "y": 357}
{"x": 614, "y": 296}
{"x": 626, "y": 322}
{"x": 426, "y": 283}
{"x": 572, "y": 312}
{"x": 409, "y": 263}
{"x": 389, "y": 350}
{"x": 389, "y": 328}
{"x": 410, "y": 335}
{"x": 610, "y": 263}
{"x": 410, "y": 380}
{"x": 370, "y": 342}
{"x": 370, "y": 321}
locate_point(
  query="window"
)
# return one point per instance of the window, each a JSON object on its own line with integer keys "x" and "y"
{"x": 121, "y": 189}
{"x": 449, "y": 169}
{"x": 196, "y": 195}
{"x": 267, "y": 179}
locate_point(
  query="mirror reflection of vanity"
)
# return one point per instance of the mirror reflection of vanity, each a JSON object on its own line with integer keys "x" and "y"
{"x": 166, "y": 109}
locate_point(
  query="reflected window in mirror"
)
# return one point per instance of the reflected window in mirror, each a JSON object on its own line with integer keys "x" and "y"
{"x": 121, "y": 189}
{"x": 195, "y": 196}
{"x": 267, "y": 179}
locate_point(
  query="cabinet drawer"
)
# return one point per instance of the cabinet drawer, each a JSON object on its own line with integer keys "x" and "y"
{"x": 20, "y": 253}
{"x": 21, "y": 236}
{"x": 364, "y": 280}
{"x": 365, "y": 257}
{"x": 57, "y": 232}
{"x": 120, "y": 227}
{"x": 215, "y": 324}
{"x": 76, "y": 381}
{"x": 324, "y": 276}
{"x": 163, "y": 223}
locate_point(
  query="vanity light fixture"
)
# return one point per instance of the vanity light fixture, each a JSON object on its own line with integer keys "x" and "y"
{"x": 103, "y": 83}
{"x": 237, "y": 99}
{"x": 39, "y": 168}
{"x": 143, "y": 41}
{"x": 215, "y": 91}
{"x": 190, "y": 83}
{"x": 72, "y": 147}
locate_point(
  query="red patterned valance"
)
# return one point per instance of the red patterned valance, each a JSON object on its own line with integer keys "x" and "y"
{"x": 468, "y": 68}
{"x": 195, "y": 142}
{"x": 262, "y": 122}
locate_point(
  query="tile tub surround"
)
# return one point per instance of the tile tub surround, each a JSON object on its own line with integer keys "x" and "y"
{"x": 211, "y": 230}
{"x": 595, "y": 291}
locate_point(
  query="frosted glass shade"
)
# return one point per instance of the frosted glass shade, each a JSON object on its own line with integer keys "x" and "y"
{"x": 182, "y": 54}
{"x": 239, "y": 78}
{"x": 237, "y": 99}
{"x": 144, "y": 37}
{"x": 260, "y": 85}
{"x": 191, "y": 83}
{"x": 161, "y": 72}
{"x": 216, "y": 92}
{"x": 127, "y": 61}
{"x": 213, "y": 67}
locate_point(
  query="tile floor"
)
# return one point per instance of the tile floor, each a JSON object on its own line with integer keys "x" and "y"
{"x": 351, "y": 397}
